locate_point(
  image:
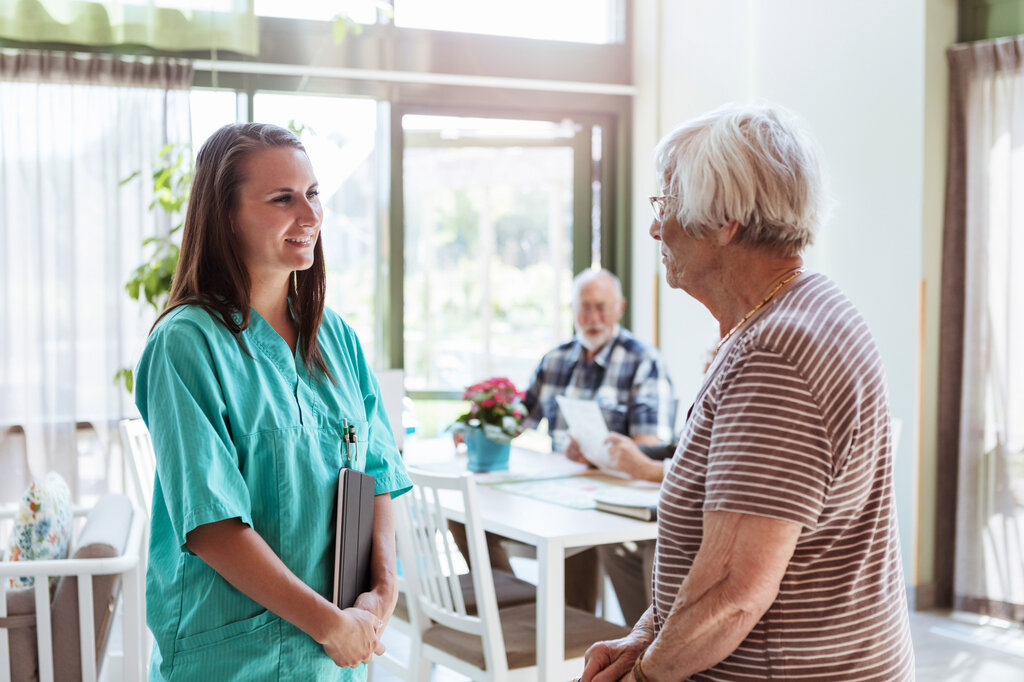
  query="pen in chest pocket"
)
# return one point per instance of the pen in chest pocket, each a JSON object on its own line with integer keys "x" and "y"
{"x": 353, "y": 443}
{"x": 344, "y": 443}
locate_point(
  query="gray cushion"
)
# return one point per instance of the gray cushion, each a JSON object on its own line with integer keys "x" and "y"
{"x": 104, "y": 535}
{"x": 509, "y": 590}
{"x": 519, "y": 628}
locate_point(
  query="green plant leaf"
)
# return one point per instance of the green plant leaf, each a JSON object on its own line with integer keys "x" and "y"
{"x": 127, "y": 377}
{"x": 162, "y": 179}
{"x": 129, "y": 178}
{"x": 132, "y": 287}
{"x": 340, "y": 29}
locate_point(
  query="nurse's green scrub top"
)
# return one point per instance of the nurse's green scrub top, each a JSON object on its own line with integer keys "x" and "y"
{"x": 253, "y": 437}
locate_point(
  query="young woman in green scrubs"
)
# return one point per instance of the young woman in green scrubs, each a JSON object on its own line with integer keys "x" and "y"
{"x": 245, "y": 384}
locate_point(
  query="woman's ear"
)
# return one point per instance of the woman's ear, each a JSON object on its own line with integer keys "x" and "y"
{"x": 727, "y": 232}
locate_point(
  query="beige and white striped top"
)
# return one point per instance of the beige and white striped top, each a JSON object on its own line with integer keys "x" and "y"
{"x": 793, "y": 423}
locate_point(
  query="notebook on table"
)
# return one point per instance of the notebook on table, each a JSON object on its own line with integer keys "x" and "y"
{"x": 640, "y": 502}
{"x": 353, "y": 536}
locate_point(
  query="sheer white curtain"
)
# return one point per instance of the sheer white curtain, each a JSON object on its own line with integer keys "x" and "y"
{"x": 989, "y": 570}
{"x": 71, "y": 128}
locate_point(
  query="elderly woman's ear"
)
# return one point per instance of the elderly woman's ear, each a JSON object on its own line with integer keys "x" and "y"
{"x": 727, "y": 232}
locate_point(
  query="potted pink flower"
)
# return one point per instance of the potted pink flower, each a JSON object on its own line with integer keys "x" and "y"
{"x": 494, "y": 418}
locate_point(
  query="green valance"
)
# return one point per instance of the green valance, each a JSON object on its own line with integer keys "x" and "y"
{"x": 986, "y": 19}
{"x": 160, "y": 24}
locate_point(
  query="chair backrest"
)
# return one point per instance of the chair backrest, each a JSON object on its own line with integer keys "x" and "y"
{"x": 139, "y": 463}
{"x": 427, "y": 552}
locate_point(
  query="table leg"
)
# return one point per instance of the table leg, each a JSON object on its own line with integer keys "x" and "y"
{"x": 550, "y": 610}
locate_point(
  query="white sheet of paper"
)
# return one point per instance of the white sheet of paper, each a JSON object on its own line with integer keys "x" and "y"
{"x": 586, "y": 424}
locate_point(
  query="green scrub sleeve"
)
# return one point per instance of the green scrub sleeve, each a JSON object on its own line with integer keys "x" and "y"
{"x": 180, "y": 399}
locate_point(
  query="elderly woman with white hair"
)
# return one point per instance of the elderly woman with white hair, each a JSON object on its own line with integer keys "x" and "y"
{"x": 777, "y": 554}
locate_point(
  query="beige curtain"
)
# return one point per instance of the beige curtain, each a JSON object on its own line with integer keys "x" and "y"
{"x": 71, "y": 128}
{"x": 983, "y": 360}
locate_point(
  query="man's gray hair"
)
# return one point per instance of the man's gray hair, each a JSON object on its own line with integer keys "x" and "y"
{"x": 589, "y": 275}
{"x": 752, "y": 164}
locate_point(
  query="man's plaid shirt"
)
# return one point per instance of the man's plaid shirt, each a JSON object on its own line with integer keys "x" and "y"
{"x": 627, "y": 379}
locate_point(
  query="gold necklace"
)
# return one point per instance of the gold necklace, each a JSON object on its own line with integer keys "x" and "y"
{"x": 796, "y": 273}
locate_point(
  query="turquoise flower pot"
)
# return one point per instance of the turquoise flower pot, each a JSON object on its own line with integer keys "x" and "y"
{"x": 484, "y": 453}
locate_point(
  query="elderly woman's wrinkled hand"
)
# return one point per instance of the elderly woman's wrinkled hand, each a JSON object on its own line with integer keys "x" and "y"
{"x": 627, "y": 458}
{"x": 613, "y": 660}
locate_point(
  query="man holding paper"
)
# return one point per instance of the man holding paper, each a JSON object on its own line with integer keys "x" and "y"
{"x": 607, "y": 364}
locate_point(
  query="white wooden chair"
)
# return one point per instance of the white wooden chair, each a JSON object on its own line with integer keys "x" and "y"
{"x": 71, "y": 628}
{"x": 139, "y": 467}
{"x": 139, "y": 463}
{"x": 494, "y": 644}
{"x": 509, "y": 591}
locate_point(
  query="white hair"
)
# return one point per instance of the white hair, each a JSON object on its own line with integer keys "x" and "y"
{"x": 751, "y": 164}
{"x": 589, "y": 275}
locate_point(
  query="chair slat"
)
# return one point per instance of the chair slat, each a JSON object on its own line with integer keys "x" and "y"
{"x": 44, "y": 638}
{"x": 86, "y": 628}
{"x": 5, "y": 644}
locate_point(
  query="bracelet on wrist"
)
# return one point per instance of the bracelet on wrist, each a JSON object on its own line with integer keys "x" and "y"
{"x": 638, "y": 670}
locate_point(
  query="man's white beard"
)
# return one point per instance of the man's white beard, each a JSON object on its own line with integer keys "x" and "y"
{"x": 593, "y": 343}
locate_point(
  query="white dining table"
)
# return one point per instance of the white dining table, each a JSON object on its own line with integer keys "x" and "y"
{"x": 551, "y": 528}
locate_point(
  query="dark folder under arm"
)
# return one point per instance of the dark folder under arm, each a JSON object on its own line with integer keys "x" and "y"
{"x": 353, "y": 537}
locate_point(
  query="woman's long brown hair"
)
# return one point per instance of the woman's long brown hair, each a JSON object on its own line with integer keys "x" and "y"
{"x": 210, "y": 272}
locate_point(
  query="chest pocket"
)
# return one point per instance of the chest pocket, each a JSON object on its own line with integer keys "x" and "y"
{"x": 353, "y": 455}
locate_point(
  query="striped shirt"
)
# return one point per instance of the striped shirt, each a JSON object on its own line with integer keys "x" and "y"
{"x": 626, "y": 378}
{"x": 793, "y": 423}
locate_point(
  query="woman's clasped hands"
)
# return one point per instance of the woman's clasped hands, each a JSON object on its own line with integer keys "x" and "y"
{"x": 354, "y": 637}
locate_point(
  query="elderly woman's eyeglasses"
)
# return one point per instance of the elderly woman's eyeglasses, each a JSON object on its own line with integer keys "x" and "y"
{"x": 659, "y": 205}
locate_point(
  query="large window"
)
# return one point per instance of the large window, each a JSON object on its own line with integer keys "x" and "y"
{"x": 470, "y": 162}
{"x": 488, "y": 247}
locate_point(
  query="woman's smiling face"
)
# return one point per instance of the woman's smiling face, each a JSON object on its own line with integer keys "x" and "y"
{"x": 278, "y": 216}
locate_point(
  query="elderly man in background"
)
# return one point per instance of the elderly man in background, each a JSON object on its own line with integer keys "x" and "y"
{"x": 603, "y": 362}
{"x": 778, "y": 554}
{"x": 626, "y": 377}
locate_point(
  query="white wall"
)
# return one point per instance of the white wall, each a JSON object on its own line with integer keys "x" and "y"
{"x": 855, "y": 72}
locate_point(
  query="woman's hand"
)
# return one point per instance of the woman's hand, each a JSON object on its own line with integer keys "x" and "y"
{"x": 613, "y": 660}
{"x": 378, "y": 601}
{"x": 626, "y": 457}
{"x": 353, "y": 638}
